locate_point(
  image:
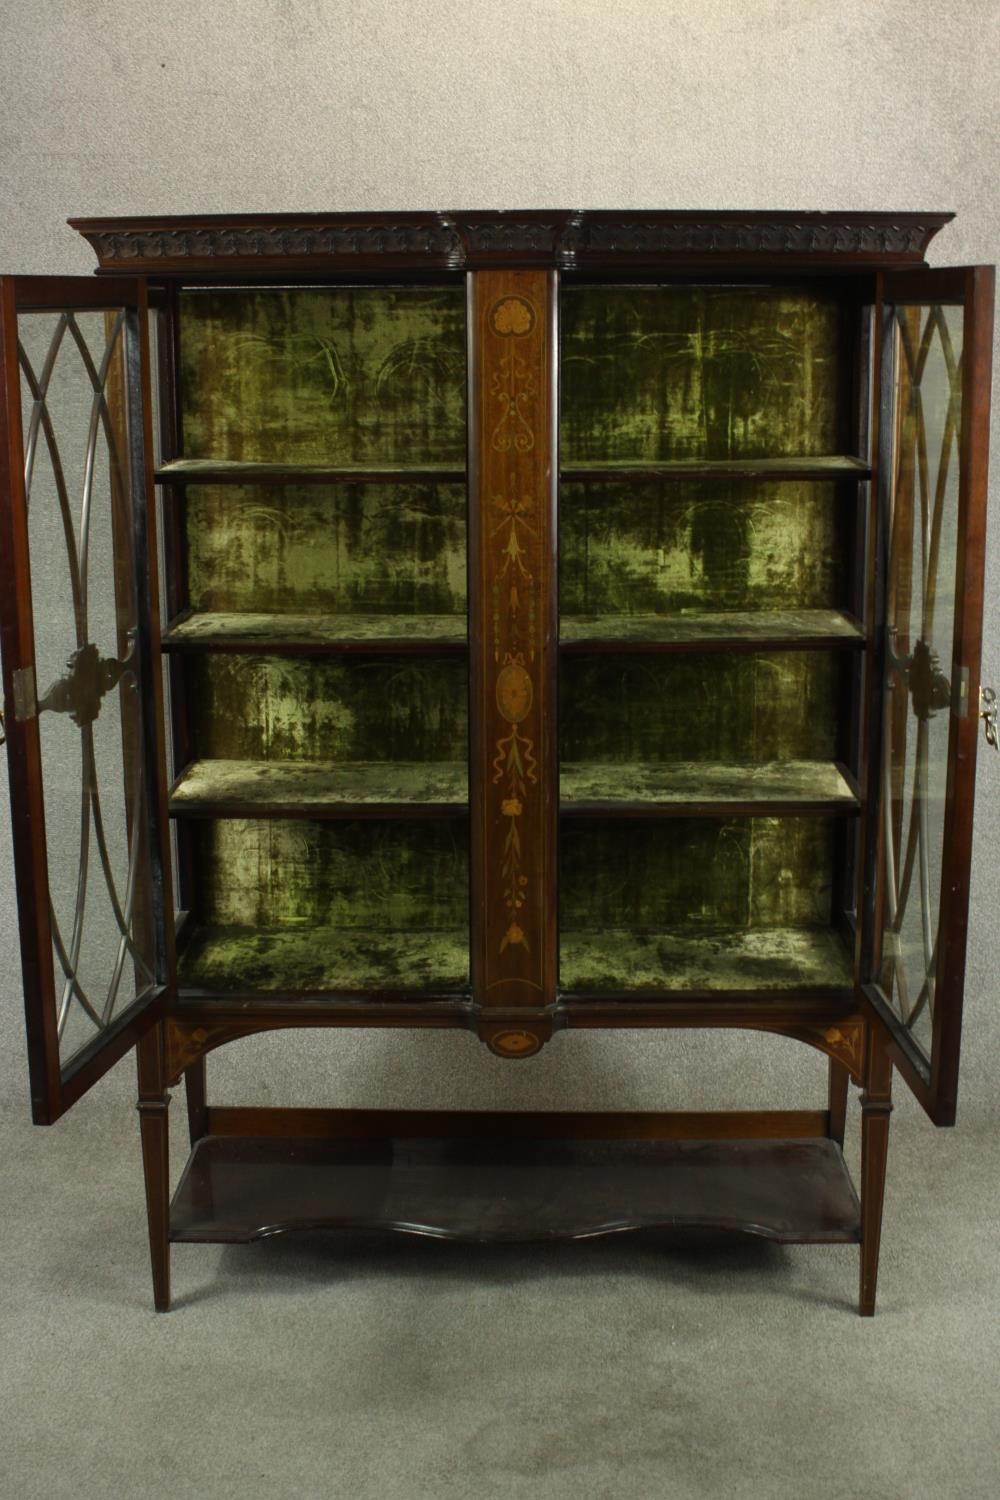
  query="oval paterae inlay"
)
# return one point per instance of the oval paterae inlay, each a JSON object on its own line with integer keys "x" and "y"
{"x": 514, "y": 1043}
{"x": 514, "y": 692}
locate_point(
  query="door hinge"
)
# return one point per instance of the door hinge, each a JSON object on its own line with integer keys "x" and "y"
{"x": 960, "y": 693}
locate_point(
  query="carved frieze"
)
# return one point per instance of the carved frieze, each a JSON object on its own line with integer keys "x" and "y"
{"x": 559, "y": 237}
{"x": 433, "y": 238}
{"x": 631, "y": 236}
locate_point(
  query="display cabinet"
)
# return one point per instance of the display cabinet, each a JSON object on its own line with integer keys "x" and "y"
{"x": 506, "y": 621}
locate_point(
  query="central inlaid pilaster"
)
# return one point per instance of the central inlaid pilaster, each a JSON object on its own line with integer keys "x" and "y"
{"x": 514, "y": 640}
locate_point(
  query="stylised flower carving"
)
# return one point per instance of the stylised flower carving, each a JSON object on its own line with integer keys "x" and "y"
{"x": 511, "y": 807}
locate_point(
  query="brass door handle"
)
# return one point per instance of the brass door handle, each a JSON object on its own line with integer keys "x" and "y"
{"x": 988, "y": 710}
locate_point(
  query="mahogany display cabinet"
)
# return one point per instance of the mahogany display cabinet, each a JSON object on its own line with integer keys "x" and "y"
{"x": 506, "y": 621}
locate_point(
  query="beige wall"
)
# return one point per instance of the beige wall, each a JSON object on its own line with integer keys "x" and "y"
{"x": 320, "y": 104}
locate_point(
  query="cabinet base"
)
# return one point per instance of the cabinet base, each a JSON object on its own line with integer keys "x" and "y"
{"x": 496, "y": 1189}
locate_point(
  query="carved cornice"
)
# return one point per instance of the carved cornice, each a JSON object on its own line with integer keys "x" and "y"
{"x": 878, "y": 237}
{"x": 221, "y": 244}
{"x": 166, "y": 243}
{"x": 492, "y": 238}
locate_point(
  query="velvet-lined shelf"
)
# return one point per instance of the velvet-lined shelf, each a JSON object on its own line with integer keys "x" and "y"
{"x": 836, "y": 466}
{"x": 706, "y": 789}
{"x": 236, "y": 471}
{"x": 705, "y": 630}
{"x": 279, "y": 789}
{"x": 615, "y": 961}
{"x": 248, "y": 788}
{"x": 235, "y": 960}
{"x": 304, "y": 959}
{"x": 219, "y": 631}
{"x": 689, "y": 630}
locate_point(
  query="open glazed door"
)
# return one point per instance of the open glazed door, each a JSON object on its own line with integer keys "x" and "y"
{"x": 933, "y": 437}
{"x": 82, "y": 698}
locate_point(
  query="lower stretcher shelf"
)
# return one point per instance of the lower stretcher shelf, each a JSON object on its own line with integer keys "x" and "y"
{"x": 496, "y": 1190}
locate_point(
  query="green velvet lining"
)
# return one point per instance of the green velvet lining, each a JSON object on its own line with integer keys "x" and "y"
{"x": 812, "y": 466}
{"x": 791, "y": 958}
{"x": 382, "y": 877}
{"x": 336, "y": 549}
{"x": 700, "y": 545}
{"x": 320, "y": 784}
{"x": 316, "y": 785}
{"x": 702, "y": 873}
{"x": 376, "y": 376}
{"x": 323, "y": 958}
{"x": 313, "y": 375}
{"x": 356, "y": 708}
{"x": 716, "y": 707}
{"x": 676, "y": 782}
{"x": 711, "y": 625}
{"x": 685, "y": 372}
{"x": 374, "y": 631}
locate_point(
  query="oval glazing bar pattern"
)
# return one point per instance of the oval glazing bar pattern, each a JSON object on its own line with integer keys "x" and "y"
{"x": 921, "y": 607}
{"x": 78, "y": 489}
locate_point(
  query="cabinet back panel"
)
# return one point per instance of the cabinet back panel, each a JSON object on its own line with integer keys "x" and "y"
{"x": 336, "y": 375}
{"x": 697, "y": 872}
{"x": 658, "y": 549}
{"x": 338, "y": 549}
{"x": 739, "y": 707}
{"x": 367, "y": 708}
{"x": 373, "y": 875}
{"x": 668, "y": 373}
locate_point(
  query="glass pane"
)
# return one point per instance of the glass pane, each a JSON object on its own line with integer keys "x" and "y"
{"x": 78, "y": 484}
{"x": 923, "y": 542}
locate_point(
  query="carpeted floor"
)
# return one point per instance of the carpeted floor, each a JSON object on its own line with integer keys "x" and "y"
{"x": 367, "y": 1367}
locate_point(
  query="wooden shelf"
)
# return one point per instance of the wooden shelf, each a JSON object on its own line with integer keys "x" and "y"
{"x": 320, "y": 789}
{"x": 692, "y": 789}
{"x": 232, "y": 471}
{"x": 834, "y": 466}
{"x": 715, "y": 630}
{"x": 739, "y": 960}
{"x": 408, "y": 789}
{"x": 284, "y": 634}
{"x": 343, "y": 960}
{"x": 235, "y": 1189}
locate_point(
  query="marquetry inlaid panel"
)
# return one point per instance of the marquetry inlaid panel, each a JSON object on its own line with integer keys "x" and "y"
{"x": 514, "y": 793}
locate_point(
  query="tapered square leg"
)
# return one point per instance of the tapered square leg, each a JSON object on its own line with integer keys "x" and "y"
{"x": 196, "y": 1091}
{"x": 876, "y": 1107}
{"x": 838, "y": 1089}
{"x": 153, "y": 1106}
